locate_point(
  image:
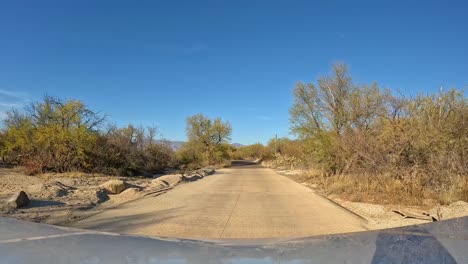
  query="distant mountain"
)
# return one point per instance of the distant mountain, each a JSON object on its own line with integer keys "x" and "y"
{"x": 174, "y": 144}
{"x": 237, "y": 145}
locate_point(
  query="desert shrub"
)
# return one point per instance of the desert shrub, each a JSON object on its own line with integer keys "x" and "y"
{"x": 286, "y": 147}
{"x": 188, "y": 157}
{"x": 53, "y": 135}
{"x": 58, "y": 136}
{"x": 386, "y": 189}
{"x": 131, "y": 151}
{"x": 222, "y": 153}
{"x": 254, "y": 151}
{"x": 417, "y": 143}
{"x": 159, "y": 156}
{"x": 17, "y": 138}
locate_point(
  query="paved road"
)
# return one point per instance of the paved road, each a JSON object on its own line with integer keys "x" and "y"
{"x": 244, "y": 201}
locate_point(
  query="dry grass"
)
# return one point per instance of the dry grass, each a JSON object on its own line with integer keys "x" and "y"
{"x": 72, "y": 174}
{"x": 384, "y": 189}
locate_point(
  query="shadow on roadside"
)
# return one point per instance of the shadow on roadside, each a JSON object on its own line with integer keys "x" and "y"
{"x": 42, "y": 203}
{"x": 243, "y": 163}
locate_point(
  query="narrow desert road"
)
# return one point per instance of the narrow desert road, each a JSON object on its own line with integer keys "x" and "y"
{"x": 244, "y": 201}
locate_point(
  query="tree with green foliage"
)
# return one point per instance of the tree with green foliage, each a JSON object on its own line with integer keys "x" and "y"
{"x": 17, "y": 138}
{"x": 53, "y": 135}
{"x": 207, "y": 140}
{"x": 321, "y": 115}
{"x": 58, "y": 136}
{"x": 254, "y": 151}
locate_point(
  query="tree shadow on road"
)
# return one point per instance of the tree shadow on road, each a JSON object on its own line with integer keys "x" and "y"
{"x": 245, "y": 163}
{"x": 124, "y": 224}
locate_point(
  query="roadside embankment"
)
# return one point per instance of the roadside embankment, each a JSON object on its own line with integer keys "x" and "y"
{"x": 67, "y": 197}
{"x": 378, "y": 215}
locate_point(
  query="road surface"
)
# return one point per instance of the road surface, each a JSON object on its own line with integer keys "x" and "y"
{"x": 244, "y": 201}
{"x": 438, "y": 242}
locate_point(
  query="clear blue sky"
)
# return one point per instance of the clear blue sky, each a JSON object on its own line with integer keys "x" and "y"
{"x": 157, "y": 62}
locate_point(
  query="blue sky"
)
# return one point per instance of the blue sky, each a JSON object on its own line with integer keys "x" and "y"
{"x": 157, "y": 62}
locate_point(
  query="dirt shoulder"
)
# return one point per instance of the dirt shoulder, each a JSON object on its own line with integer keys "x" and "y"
{"x": 381, "y": 216}
{"x": 68, "y": 197}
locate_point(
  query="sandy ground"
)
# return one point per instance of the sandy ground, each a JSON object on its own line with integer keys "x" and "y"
{"x": 63, "y": 198}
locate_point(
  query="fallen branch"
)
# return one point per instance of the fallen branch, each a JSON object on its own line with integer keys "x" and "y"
{"x": 407, "y": 214}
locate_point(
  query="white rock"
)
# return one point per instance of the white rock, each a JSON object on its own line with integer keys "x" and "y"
{"x": 114, "y": 186}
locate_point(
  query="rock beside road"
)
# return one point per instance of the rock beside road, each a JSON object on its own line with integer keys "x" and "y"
{"x": 114, "y": 186}
{"x": 192, "y": 177}
{"x": 129, "y": 194}
{"x": 454, "y": 210}
{"x": 165, "y": 181}
{"x": 198, "y": 174}
{"x": 18, "y": 200}
{"x": 208, "y": 172}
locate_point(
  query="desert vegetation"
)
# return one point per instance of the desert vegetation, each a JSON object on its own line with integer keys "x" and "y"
{"x": 208, "y": 143}
{"x": 355, "y": 140}
{"x": 55, "y": 135}
{"x": 368, "y": 143}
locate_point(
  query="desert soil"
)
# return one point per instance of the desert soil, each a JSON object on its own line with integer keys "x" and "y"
{"x": 378, "y": 216}
{"x": 64, "y": 198}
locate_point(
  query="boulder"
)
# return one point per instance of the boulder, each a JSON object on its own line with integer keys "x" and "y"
{"x": 159, "y": 184}
{"x": 192, "y": 177}
{"x": 201, "y": 173}
{"x": 166, "y": 181}
{"x": 129, "y": 194}
{"x": 18, "y": 200}
{"x": 209, "y": 171}
{"x": 114, "y": 186}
